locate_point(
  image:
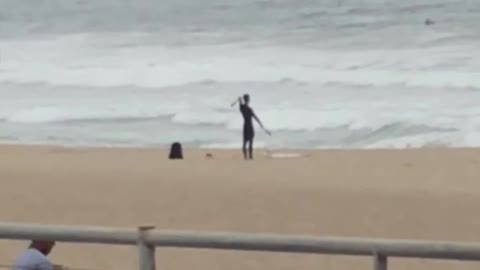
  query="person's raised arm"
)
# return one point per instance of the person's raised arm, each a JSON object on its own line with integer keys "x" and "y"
{"x": 239, "y": 101}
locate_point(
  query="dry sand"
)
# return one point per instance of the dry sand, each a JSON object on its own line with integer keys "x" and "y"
{"x": 424, "y": 194}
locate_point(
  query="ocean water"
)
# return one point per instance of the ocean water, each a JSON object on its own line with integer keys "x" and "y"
{"x": 321, "y": 73}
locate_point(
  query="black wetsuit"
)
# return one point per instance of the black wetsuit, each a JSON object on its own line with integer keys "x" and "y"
{"x": 248, "y": 131}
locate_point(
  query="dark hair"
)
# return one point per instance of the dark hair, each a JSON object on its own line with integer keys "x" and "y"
{"x": 176, "y": 151}
{"x": 246, "y": 97}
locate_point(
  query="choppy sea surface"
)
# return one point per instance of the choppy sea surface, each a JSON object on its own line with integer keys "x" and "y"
{"x": 321, "y": 74}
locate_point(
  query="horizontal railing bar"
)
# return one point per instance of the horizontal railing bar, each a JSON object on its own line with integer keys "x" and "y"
{"x": 246, "y": 242}
{"x": 82, "y": 234}
{"x": 320, "y": 245}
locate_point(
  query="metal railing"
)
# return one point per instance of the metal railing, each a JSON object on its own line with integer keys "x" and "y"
{"x": 147, "y": 238}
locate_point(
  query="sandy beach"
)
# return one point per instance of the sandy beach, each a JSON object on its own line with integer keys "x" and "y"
{"x": 422, "y": 194}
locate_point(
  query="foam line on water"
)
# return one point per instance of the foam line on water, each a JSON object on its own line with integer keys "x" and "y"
{"x": 80, "y": 60}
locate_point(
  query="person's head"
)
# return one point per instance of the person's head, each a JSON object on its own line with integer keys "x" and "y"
{"x": 44, "y": 246}
{"x": 246, "y": 98}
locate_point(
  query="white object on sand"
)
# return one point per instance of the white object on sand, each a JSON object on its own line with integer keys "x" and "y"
{"x": 286, "y": 155}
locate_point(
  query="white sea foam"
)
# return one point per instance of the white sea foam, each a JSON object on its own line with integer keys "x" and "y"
{"x": 366, "y": 77}
{"x": 82, "y": 61}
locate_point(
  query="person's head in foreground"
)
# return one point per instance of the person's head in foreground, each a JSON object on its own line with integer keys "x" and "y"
{"x": 44, "y": 246}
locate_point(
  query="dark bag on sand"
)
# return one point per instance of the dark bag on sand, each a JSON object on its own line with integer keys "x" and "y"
{"x": 176, "y": 151}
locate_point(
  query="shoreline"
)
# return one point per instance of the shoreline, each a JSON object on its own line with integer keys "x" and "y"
{"x": 199, "y": 153}
{"x": 200, "y": 147}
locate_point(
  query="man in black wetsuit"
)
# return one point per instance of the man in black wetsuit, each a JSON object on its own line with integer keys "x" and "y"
{"x": 248, "y": 130}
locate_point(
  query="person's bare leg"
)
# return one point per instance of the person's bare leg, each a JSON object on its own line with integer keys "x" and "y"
{"x": 244, "y": 149}
{"x": 250, "y": 148}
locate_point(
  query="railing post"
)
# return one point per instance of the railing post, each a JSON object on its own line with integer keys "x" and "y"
{"x": 380, "y": 262}
{"x": 146, "y": 252}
